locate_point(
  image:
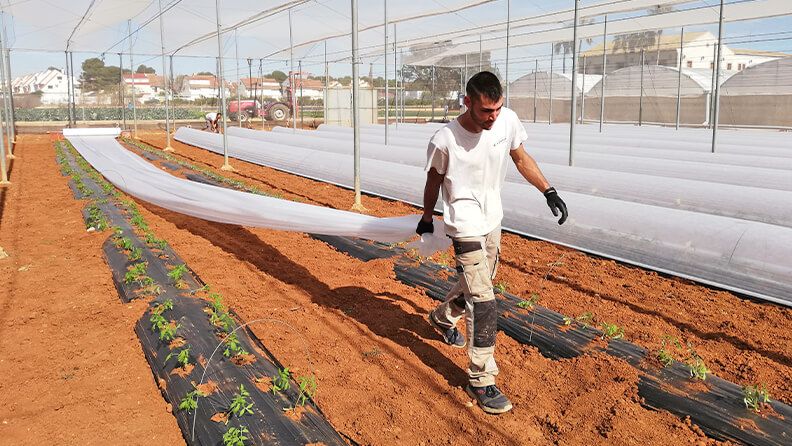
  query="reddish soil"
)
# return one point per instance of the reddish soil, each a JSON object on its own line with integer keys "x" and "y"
{"x": 365, "y": 336}
{"x": 73, "y": 369}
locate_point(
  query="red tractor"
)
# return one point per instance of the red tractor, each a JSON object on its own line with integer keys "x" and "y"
{"x": 250, "y": 108}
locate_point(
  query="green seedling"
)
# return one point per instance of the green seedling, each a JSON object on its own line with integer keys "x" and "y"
{"x": 190, "y": 401}
{"x": 176, "y": 273}
{"x": 227, "y": 322}
{"x": 96, "y": 218}
{"x": 280, "y": 382}
{"x": 611, "y": 331}
{"x": 755, "y": 396}
{"x": 217, "y": 303}
{"x": 135, "y": 254}
{"x": 698, "y": 369}
{"x": 168, "y": 332}
{"x": 240, "y": 405}
{"x": 586, "y": 319}
{"x": 157, "y": 321}
{"x": 137, "y": 270}
{"x": 137, "y": 221}
{"x": 235, "y": 437}
{"x": 665, "y": 354}
{"x": 182, "y": 358}
{"x": 568, "y": 320}
{"x": 155, "y": 242}
{"x": 501, "y": 287}
{"x": 307, "y": 388}
{"x": 530, "y": 303}
{"x": 233, "y": 347}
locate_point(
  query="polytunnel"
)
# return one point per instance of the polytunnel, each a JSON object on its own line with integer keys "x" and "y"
{"x": 624, "y": 101}
{"x": 531, "y": 95}
{"x": 760, "y": 95}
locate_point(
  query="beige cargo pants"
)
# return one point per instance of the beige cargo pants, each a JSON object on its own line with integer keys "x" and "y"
{"x": 473, "y": 297}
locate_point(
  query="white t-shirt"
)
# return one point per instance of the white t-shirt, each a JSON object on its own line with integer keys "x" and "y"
{"x": 211, "y": 116}
{"x": 474, "y": 165}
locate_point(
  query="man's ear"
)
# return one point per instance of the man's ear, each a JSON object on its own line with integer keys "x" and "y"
{"x": 468, "y": 102}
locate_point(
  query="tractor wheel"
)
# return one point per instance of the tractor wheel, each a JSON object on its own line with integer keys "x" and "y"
{"x": 278, "y": 112}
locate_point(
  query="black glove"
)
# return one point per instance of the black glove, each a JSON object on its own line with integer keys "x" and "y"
{"x": 556, "y": 204}
{"x": 424, "y": 227}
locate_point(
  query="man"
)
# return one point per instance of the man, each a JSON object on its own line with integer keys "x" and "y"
{"x": 212, "y": 122}
{"x": 467, "y": 158}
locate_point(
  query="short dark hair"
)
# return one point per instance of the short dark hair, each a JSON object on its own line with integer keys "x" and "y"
{"x": 486, "y": 84}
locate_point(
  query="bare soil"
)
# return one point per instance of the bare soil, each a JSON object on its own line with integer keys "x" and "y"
{"x": 72, "y": 368}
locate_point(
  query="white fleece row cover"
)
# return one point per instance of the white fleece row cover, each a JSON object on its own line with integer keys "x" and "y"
{"x": 139, "y": 178}
{"x": 747, "y": 257}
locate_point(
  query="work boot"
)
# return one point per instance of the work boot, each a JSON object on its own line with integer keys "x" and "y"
{"x": 490, "y": 399}
{"x": 451, "y": 336}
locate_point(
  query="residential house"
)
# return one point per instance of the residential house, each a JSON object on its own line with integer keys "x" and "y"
{"x": 308, "y": 88}
{"x": 199, "y": 86}
{"x": 147, "y": 87}
{"x": 261, "y": 86}
{"x": 52, "y": 84}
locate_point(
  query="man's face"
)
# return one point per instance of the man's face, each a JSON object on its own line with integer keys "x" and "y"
{"x": 483, "y": 110}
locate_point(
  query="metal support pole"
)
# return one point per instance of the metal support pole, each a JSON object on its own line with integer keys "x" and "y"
{"x": 122, "y": 89}
{"x": 74, "y": 93}
{"x": 395, "y": 80}
{"x": 3, "y": 164}
{"x": 302, "y": 116}
{"x": 716, "y": 100}
{"x": 583, "y": 94}
{"x": 5, "y": 88}
{"x": 293, "y": 97}
{"x": 604, "y": 72}
{"x": 10, "y": 117}
{"x": 536, "y": 86}
{"x": 168, "y": 147}
{"x": 261, "y": 76}
{"x": 481, "y": 56}
{"x": 573, "y": 115}
{"x": 358, "y": 205}
{"x": 508, "y": 32}
{"x": 679, "y": 77}
{"x": 253, "y": 84}
{"x": 170, "y": 89}
{"x": 239, "y": 79}
{"x": 385, "y": 56}
{"x": 641, "y": 92}
{"x": 226, "y": 166}
{"x": 326, "y": 85}
{"x": 550, "y": 105}
{"x": 433, "y": 93}
{"x": 132, "y": 69}
{"x": 712, "y": 86}
{"x": 68, "y": 91}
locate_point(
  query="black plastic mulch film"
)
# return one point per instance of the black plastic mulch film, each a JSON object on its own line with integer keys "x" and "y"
{"x": 271, "y": 422}
{"x": 719, "y": 412}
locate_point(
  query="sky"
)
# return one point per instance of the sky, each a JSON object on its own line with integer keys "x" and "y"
{"x": 39, "y": 29}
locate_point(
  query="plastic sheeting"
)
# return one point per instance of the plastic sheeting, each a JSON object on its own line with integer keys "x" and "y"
{"x": 141, "y": 179}
{"x": 749, "y": 203}
{"x": 743, "y": 256}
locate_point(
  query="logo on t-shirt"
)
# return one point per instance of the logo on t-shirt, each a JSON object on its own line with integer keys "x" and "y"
{"x": 499, "y": 142}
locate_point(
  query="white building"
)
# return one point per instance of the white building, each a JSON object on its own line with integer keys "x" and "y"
{"x": 147, "y": 86}
{"x": 308, "y": 88}
{"x": 51, "y": 83}
{"x": 264, "y": 86}
{"x": 697, "y": 52}
{"x": 197, "y": 87}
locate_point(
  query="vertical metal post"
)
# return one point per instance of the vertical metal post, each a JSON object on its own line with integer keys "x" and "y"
{"x": 253, "y": 84}
{"x": 261, "y": 76}
{"x": 291, "y": 75}
{"x": 395, "y": 79}
{"x": 10, "y": 95}
{"x": 170, "y": 90}
{"x": 550, "y": 105}
{"x": 641, "y": 92}
{"x": 433, "y": 93}
{"x": 716, "y": 100}
{"x": 481, "y": 55}
{"x": 712, "y": 86}
{"x": 239, "y": 79}
{"x": 679, "y": 77}
{"x": 220, "y": 80}
{"x": 302, "y": 116}
{"x": 604, "y": 72}
{"x": 536, "y": 85}
{"x": 573, "y": 114}
{"x": 5, "y": 89}
{"x": 168, "y": 147}
{"x": 326, "y": 85}
{"x": 583, "y": 94}
{"x": 74, "y": 93}
{"x": 385, "y": 56}
{"x": 3, "y": 167}
{"x": 508, "y": 32}
{"x": 358, "y": 205}
{"x": 132, "y": 69}
{"x": 68, "y": 90}
{"x": 122, "y": 89}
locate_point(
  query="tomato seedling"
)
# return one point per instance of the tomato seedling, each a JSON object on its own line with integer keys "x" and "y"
{"x": 501, "y": 287}
{"x": 177, "y": 272}
{"x": 233, "y": 346}
{"x": 530, "y": 303}
{"x": 235, "y": 437}
{"x": 307, "y": 388}
{"x": 190, "y": 401}
{"x": 240, "y": 405}
{"x": 611, "y": 331}
{"x": 182, "y": 358}
{"x": 755, "y": 396}
{"x": 280, "y": 382}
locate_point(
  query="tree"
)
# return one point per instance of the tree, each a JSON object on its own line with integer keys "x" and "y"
{"x": 204, "y": 73}
{"x": 144, "y": 69}
{"x": 98, "y": 77}
{"x": 279, "y": 76}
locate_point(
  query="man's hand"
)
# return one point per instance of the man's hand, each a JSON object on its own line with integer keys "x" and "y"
{"x": 424, "y": 227}
{"x": 556, "y": 204}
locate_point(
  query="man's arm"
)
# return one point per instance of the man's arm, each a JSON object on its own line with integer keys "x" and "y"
{"x": 431, "y": 193}
{"x": 528, "y": 168}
